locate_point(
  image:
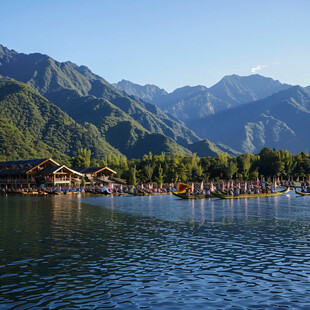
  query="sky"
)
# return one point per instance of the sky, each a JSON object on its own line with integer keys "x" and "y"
{"x": 170, "y": 43}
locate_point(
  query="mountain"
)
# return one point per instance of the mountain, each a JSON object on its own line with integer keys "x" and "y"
{"x": 97, "y": 105}
{"x": 119, "y": 128}
{"x": 41, "y": 121}
{"x": 187, "y": 103}
{"x": 198, "y": 102}
{"x": 308, "y": 87}
{"x": 47, "y": 75}
{"x": 63, "y": 83}
{"x": 237, "y": 90}
{"x": 205, "y": 148}
{"x": 149, "y": 93}
{"x": 280, "y": 120}
{"x": 18, "y": 144}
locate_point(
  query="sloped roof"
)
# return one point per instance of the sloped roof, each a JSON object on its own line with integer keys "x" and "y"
{"x": 54, "y": 169}
{"x": 91, "y": 170}
{"x": 21, "y": 166}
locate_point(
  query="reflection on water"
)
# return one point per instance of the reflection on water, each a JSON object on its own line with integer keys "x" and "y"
{"x": 154, "y": 252}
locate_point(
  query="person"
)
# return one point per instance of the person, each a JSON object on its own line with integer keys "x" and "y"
{"x": 104, "y": 189}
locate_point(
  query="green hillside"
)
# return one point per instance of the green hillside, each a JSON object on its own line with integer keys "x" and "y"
{"x": 16, "y": 144}
{"x": 280, "y": 121}
{"x": 51, "y": 78}
{"x": 31, "y": 112}
{"x": 205, "y": 148}
{"x": 120, "y": 128}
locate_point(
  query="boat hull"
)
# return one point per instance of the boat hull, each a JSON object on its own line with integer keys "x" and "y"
{"x": 184, "y": 196}
{"x": 223, "y": 196}
{"x": 140, "y": 194}
{"x": 302, "y": 194}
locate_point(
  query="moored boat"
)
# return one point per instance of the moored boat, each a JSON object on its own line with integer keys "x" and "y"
{"x": 224, "y": 196}
{"x": 140, "y": 194}
{"x": 191, "y": 196}
{"x": 301, "y": 193}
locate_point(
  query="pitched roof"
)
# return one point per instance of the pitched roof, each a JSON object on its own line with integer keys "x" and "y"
{"x": 21, "y": 166}
{"x": 54, "y": 169}
{"x": 91, "y": 170}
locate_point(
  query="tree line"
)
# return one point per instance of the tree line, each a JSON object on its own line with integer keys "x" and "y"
{"x": 179, "y": 168}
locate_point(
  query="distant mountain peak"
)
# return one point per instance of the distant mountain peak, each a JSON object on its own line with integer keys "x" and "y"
{"x": 147, "y": 92}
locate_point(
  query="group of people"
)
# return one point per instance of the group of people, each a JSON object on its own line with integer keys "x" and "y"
{"x": 231, "y": 188}
{"x": 305, "y": 189}
{"x": 204, "y": 188}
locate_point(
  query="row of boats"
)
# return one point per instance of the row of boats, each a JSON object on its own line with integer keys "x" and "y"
{"x": 185, "y": 193}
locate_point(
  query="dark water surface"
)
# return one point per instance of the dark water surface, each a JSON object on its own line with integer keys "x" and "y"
{"x": 154, "y": 252}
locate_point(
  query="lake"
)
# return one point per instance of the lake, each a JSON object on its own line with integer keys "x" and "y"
{"x": 156, "y": 252}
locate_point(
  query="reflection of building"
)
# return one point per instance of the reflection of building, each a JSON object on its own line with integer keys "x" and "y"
{"x": 96, "y": 174}
{"x": 34, "y": 172}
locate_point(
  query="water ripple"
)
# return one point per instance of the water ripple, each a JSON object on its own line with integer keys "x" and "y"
{"x": 154, "y": 252}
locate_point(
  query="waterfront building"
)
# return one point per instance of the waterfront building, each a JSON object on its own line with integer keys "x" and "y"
{"x": 97, "y": 174}
{"x": 36, "y": 172}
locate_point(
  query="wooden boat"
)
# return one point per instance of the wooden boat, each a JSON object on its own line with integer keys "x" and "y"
{"x": 223, "y": 196}
{"x": 182, "y": 187}
{"x": 301, "y": 193}
{"x": 184, "y": 196}
{"x": 140, "y": 194}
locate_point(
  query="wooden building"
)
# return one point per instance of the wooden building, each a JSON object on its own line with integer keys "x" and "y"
{"x": 60, "y": 175}
{"x": 96, "y": 174}
{"x": 35, "y": 172}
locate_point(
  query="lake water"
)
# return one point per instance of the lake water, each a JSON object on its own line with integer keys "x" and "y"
{"x": 155, "y": 252}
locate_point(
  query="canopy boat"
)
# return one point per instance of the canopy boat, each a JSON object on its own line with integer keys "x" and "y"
{"x": 191, "y": 196}
{"x": 181, "y": 193}
{"x": 224, "y": 196}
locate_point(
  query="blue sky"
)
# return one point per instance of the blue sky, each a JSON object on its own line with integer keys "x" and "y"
{"x": 169, "y": 43}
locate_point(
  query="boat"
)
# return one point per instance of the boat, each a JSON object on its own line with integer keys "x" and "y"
{"x": 191, "y": 196}
{"x": 301, "y": 193}
{"x": 183, "y": 192}
{"x": 224, "y": 196}
{"x": 140, "y": 194}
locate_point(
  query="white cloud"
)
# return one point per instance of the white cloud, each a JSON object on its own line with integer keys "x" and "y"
{"x": 257, "y": 68}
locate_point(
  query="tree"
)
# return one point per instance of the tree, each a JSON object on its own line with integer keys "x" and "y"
{"x": 244, "y": 162}
{"x": 82, "y": 159}
{"x": 133, "y": 176}
{"x": 160, "y": 178}
{"x": 231, "y": 168}
{"x": 148, "y": 169}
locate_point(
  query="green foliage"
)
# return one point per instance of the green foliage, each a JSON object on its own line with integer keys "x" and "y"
{"x": 132, "y": 176}
{"x": 205, "y": 148}
{"x": 32, "y": 113}
{"x": 16, "y": 144}
{"x": 82, "y": 159}
{"x": 172, "y": 169}
{"x": 83, "y": 182}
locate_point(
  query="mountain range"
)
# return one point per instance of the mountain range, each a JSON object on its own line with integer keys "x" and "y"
{"x": 245, "y": 112}
{"x": 59, "y": 107}
{"x": 197, "y": 102}
{"x": 76, "y": 108}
